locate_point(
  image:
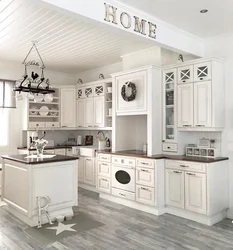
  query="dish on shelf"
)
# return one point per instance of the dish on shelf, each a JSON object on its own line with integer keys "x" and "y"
{"x": 170, "y": 136}
{"x": 34, "y": 111}
{"x": 54, "y": 112}
{"x": 38, "y": 98}
{"x": 44, "y": 110}
{"x": 48, "y": 97}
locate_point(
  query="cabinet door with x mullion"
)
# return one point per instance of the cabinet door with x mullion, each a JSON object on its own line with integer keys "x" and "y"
{"x": 185, "y": 74}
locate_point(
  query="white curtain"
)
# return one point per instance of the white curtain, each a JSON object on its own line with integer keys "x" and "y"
{"x": 7, "y": 95}
{"x": 4, "y": 127}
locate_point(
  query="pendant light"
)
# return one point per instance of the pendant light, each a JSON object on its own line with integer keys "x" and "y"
{"x": 33, "y": 83}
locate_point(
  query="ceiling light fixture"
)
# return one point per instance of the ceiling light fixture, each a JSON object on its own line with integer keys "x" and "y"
{"x": 35, "y": 83}
{"x": 203, "y": 11}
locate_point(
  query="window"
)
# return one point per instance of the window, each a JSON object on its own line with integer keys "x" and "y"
{"x": 7, "y": 100}
{"x": 4, "y": 127}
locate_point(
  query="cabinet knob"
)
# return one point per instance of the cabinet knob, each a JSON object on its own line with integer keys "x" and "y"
{"x": 122, "y": 161}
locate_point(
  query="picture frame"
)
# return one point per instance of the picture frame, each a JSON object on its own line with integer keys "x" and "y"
{"x": 204, "y": 142}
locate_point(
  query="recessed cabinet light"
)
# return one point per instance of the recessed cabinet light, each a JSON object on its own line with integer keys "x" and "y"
{"x": 203, "y": 11}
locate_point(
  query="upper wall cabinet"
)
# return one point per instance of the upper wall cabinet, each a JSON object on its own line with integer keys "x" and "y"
{"x": 91, "y": 104}
{"x": 200, "y": 101}
{"x": 185, "y": 74}
{"x": 131, "y": 93}
{"x": 68, "y": 107}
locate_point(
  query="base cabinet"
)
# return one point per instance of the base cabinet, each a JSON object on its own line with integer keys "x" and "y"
{"x": 186, "y": 189}
{"x": 104, "y": 184}
{"x": 175, "y": 188}
{"x": 89, "y": 171}
{"x": 195, "y": 192}
{"x": 145, "y": 195}
{"x": 80, "y": 169}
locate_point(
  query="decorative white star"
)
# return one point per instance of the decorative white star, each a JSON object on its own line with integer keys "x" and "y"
{"x": 62, "y": 227}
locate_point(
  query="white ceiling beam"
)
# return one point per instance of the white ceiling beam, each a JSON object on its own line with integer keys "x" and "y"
{"x": 167, "y": 36}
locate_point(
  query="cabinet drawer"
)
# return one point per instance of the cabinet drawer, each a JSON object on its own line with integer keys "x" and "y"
{"x": 36, "y": 124}
{"x": 186, "y": 165}
{"x": 104, "y": 184}
{"x": 52, "y": 124}
{"x": 140, "y": 162}
{"x": 170, "y": 147}
{"x": 60, "y": 151}
{"x": 104, "y": 169}
{"x": 123, "y": 194}
{"x": 145, "y": 195}
{"x": 104, "y": 157}
{"x": 145, "y": 176}
{"x": 123, "y": 161}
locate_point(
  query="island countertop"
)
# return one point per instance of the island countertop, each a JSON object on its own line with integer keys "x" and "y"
{"x": 141, "y": 154}
{"x": 22, "y": 159}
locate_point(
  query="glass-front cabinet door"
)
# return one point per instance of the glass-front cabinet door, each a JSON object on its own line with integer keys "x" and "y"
{"x": 169, "y": 91}
{"x": 185, "y": 74}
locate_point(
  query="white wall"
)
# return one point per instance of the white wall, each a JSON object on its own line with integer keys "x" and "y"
{"x": 222, "y": 47}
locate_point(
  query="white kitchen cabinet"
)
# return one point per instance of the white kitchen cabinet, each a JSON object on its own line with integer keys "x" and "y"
{"x": 195, "y": 192}
{"x": 69, "y": 152}
{"x": 175, "y": 188}
{"x": 202, "y": 104}
{"x": 99, "y": 111}
{"x": 81, "y": 169}
{"x": 103, "y": 169}
{"x": 88, "y": 112}
{"x": 60, "y": 151}
{"x": 202, "y": 71}
{"x": 139, "y": 104}
{"x": 99, "y": 89}
{"x": 80, "y": 113}
{"x": 68, "y": 107}
{"x": 145, "y": 195}
{"x": 89, "y": 171}
{"x": 185, "y": 105}
{"x": 145, "y": 176}
{"x": 185, "y": 74}
{"x": 104, "y": 184}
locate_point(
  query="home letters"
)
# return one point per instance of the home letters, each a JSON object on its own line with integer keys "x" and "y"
{"x": 127, "y": 21}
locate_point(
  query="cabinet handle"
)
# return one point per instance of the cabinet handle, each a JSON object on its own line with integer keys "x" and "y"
{"x": 200, "y": 125}
{"x": 122, "y": 161}
{"x": 122, "y": 194}
{"x": 104, "y": 179}
{"x": 52, "y": 125}
{"x": 190, "y": 174}
{"x": 104, "y": 164}
{"x": 104, "y": 158}
{"x": 177, "y": 172}
{"x": 64, "y": 126}
{"x": 201, "y": 78}
{"x": 144, "y": 163}
{"x": 186, "y": 125}
{"x": 144, "y": 188}
{"x": 89, "y": 126}
{"x": 183, "y": 166}
{"x": 184, "y": 81}
{"x": 168, "y": 147}
{"x": 88, "y": 159}
{"x": 96, "y": 126}
{"x": 80, "y": 126}
{"x": 144, "y": 170}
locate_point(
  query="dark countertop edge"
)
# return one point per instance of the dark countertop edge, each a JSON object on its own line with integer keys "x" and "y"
{"x": 166, "y": 157}
{"x": 45, "y": 161}
{"x": 46, "y": 148}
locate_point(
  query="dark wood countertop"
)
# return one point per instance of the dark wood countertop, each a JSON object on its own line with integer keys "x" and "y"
{"x": 141, "y": 154}
{"x": 22, "y": 159}
{"x": 46, "y": 148}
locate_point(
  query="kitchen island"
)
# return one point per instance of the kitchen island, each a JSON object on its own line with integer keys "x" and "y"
{"x": 25, "y": 178}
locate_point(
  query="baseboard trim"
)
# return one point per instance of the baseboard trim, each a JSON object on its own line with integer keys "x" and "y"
{"x": 201, "y": 218}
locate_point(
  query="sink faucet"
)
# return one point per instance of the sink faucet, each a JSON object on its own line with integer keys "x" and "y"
{"x": 101, "y": 132}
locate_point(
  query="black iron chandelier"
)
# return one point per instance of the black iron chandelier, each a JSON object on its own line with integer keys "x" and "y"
{"x": 34, "y": 83}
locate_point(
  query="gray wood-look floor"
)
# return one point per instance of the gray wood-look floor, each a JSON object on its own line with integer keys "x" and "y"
{"x": 124, "y": 229}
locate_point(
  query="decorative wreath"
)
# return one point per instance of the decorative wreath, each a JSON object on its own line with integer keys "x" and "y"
{"x": 133, "y": 93}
